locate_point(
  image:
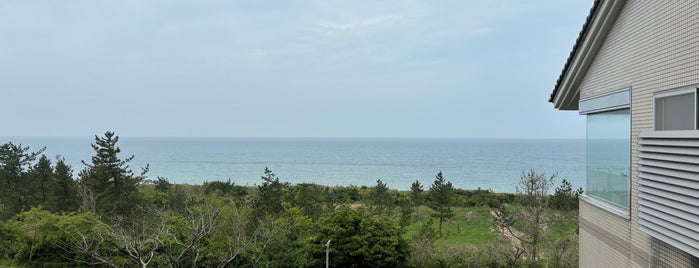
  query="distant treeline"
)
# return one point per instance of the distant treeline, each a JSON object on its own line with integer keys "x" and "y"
{"x": 111, "y": 216}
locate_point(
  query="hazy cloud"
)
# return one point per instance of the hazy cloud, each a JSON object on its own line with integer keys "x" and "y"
{"x": 286, "y": 68}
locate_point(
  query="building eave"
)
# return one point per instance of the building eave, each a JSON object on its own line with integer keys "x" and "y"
{"x": 603, "y": 14}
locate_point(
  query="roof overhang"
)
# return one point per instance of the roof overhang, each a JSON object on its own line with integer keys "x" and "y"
{"x": 566, "y": 93}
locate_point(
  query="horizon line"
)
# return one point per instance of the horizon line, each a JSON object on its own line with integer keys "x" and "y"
{"x": 301, "y": 137}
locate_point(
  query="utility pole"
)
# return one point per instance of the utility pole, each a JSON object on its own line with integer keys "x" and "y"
{"x": 327, "y": 254}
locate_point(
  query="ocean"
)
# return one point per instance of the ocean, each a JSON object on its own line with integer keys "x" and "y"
{"x": 495, "y": 164}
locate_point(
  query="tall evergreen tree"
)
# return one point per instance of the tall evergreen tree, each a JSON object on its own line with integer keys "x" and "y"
{"x": 65, "y": 193}
{"x": 416, "y": 193}
{"x": 564, "y": 198}
{"x": 109, "y": 179}
{"x": 270, "y": 196}
{"x": 14, "y": 162}
{"x": 40, "y": 182}
{"x": 441, "y": 192}
{"x": 380, "y": 199}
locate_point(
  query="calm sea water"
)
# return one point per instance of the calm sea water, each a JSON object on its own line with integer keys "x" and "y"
{"x": 468, "y": 163}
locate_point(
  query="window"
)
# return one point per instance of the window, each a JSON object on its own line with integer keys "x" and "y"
{"x": 609, "y": 156}
{"x": 608, "y": 172}
{"x": 676, "y": 110}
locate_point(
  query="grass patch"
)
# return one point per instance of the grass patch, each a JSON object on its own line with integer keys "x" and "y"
{"x": 5, "y": 263}
{"x": 470, "y": 226}
{"x": 566, "y": 224}
{"x": 473, "y": 226}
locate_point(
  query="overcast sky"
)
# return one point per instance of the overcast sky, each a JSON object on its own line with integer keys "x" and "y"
{"x": 286, "y": 68}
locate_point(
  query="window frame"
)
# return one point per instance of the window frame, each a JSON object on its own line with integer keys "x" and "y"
{"x": 611, "y": 101}
{"x": 672, "y": 93}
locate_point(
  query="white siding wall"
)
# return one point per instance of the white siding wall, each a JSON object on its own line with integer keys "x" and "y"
{"x": 653, "y": 46}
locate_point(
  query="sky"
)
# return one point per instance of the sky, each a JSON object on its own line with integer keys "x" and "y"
{"x": 287, "y": 68}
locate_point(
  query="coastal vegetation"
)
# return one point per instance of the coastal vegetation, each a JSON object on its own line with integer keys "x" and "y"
{"x": 112, "y": 217}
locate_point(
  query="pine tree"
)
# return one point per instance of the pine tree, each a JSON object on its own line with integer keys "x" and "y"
{"x": 14, "y": 162}
{"x": 416, "y": 193}
{"x": 41, "y": 182}
{"x": 564, "y": 198}
{"x": 441, "y": 193}
{"x": 109, "y": 179}
{"x": 530, "y": 217}
{"x": 533, "y": 190}
{"x": 380, "y": 199}
{"x": 65, "y": 193}
{"x": 270, "y": 196}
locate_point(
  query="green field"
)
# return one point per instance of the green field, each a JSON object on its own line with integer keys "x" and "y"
{"x": 471, "y": 226}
